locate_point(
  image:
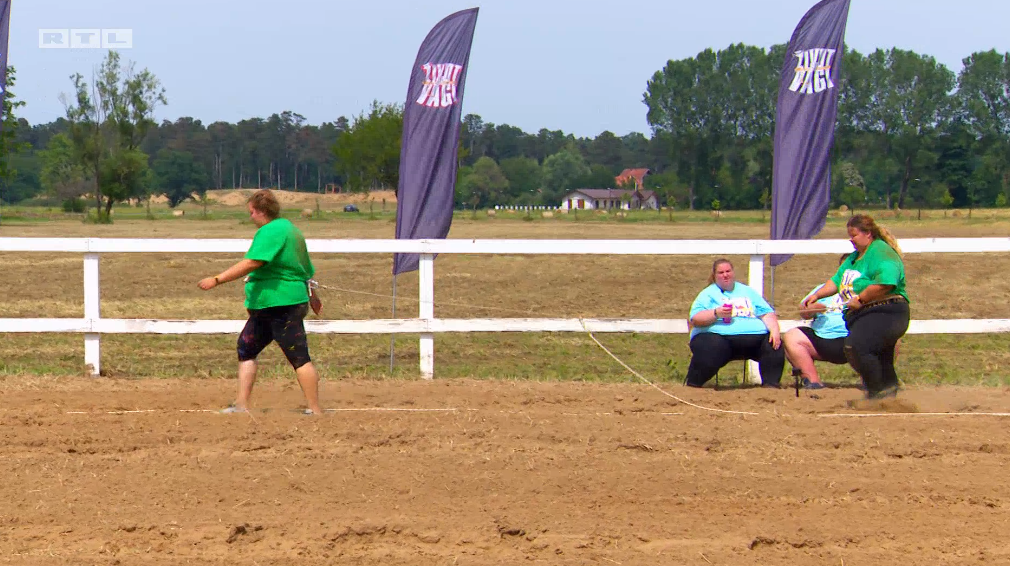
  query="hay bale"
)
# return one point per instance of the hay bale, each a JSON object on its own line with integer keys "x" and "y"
{"x": 491, "y": 212}
{"x": 602, "y": 212}
{"x": 547, "y": 214}
{"x": 178, "y": 212}
{"x": 888, "y": 214}
{"x": 843, "y": 208}
{"x": 307, "y": 213}
{"x": 562, "y": 211}
{"x": 957, "y": 214}
{"x": 716, "y": 214}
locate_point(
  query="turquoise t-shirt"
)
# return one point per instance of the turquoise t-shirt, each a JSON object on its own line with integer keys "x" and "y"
{"x": 829, "y": 324}
{"x": 281, "y": 280}
{"x": 748, "y": 307}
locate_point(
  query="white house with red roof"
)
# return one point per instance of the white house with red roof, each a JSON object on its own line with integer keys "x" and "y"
{"x": 608, "y": 199}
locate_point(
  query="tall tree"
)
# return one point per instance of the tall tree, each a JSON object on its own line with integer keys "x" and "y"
{"x": 108, "y": 125}
{"x": 10, "y": 145}
{"x": 178, "y": 175}
{"x": 368, "y": 154}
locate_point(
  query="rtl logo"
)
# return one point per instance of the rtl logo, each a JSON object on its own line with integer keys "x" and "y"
{"x": 90, "y": 38}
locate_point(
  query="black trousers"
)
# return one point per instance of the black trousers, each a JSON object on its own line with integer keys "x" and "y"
{"x": 710, "y": 352}
{"x": 869, "y": 347}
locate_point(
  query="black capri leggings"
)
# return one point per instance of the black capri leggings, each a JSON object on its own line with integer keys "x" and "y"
{"x": 869, "y": 347}
{"x": 283, "y": 324}
{"x": 711, "y": 351}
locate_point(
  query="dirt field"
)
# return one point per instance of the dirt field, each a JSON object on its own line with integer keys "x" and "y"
{"x": 494, "y": 473}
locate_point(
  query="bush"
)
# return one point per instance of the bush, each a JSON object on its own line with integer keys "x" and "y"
{"x": 73, "y": 205}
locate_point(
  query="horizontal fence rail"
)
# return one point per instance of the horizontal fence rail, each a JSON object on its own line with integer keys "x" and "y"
{"x": 92, "y": 325}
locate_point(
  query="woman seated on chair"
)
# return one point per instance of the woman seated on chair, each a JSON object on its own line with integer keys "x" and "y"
{"x": 823, "y": 340}
{"x": 731, "y": 321}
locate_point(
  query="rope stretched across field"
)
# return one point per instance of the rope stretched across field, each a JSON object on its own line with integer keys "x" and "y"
{"x": 640, "y": 376}
{"x": 581, "y": 321}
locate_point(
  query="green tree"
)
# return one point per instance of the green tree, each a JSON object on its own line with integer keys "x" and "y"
{"x": 108, "y": 125}
{"x": 9, "y": 144}
{"x": 523, "y": 174}
{"x": 606, "y": 150}
{"x": 599, "y": 177}
{"x": 62, "y": 176}
{"x": 484, "y": 185}
{"x": 985, "y": 108}
{"x": 561, "y": 172}
{"x": 713, "y": 107}
{"x": 368, "y": 154}
{"x": 178, "y": 175}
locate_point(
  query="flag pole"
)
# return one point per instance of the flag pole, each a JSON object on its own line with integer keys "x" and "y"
{"x": 392, "y": 337}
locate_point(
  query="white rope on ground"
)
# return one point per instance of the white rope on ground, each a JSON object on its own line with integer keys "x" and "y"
{"x": 639, "y": 376}
{"x": 896, "y": 414}
{"x": 529, "y": 312}
{"x": 361, "y": 409}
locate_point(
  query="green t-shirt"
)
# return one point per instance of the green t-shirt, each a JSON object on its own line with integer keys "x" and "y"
{"x": 281, "y": 280}
{"x": 880, "y": 265}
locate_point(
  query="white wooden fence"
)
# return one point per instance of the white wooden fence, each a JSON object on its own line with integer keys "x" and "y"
{"x": 92, "y": 325}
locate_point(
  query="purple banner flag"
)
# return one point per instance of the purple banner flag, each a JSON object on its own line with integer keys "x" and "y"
{"x": 805, "y": 124}
{"x": 431, "y": 125}
{"x": 5, "y": 27}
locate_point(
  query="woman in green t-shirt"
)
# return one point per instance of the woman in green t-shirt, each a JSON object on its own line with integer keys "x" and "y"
{"x": 277, "y": 299}
{"x": 871, "y": 282}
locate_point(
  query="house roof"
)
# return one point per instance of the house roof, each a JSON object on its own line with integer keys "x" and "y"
{"x": 611, "y": 193}
{"x": 603, "y": 193}
{"x": 637, "y": 174}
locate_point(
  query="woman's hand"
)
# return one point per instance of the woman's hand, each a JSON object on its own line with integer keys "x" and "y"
{"x": 808, "y": 301}
{"x": 775, "y": 338}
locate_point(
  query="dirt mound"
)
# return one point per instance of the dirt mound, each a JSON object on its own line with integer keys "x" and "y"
{"x": 238, "y": 197}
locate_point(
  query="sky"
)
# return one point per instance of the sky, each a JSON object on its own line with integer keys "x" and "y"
{"x": 580, "y": 66}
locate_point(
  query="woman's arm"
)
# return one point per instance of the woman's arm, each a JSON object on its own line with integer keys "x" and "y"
{"x": 240, "y": 269}
{"x": 829, "y": 288}
{"x": 870, "y": 294}
{"x": 771, "y": 321}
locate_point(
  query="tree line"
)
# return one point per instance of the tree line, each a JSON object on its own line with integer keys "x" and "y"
{"x": 909, "y": 132}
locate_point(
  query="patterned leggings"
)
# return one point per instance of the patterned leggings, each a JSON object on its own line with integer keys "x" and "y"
{"x": 283, "y": 324}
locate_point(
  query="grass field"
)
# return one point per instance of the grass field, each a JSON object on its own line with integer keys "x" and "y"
{"x": 164, "y": 286}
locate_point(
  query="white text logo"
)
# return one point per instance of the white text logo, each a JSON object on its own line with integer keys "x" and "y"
{"x": 813, "y": 71}
{"x": 85, "y": 38}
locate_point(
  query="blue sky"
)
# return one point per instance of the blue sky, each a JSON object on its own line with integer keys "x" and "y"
{"x": 578, "y": 66}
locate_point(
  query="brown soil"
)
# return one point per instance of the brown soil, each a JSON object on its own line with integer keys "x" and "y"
{"x": 518, "y": 472}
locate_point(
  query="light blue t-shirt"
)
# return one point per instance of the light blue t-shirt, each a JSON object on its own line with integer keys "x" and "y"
{"x": 748, "y": 307}
{"x": 830, "y": 323}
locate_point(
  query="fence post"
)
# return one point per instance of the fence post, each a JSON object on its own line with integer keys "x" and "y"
{"x": 756, "y": 281}
{"x": 92, "y": 297}
{"x": 426, "y": 292}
